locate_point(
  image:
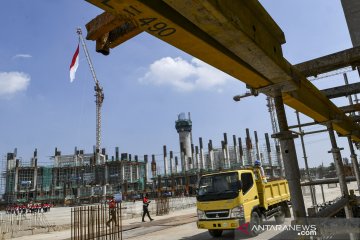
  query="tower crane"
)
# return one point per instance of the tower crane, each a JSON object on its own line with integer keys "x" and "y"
{"x": 99, "y": 94}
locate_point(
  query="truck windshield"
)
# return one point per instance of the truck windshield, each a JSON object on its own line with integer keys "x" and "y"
{"x": 218, "y": 187}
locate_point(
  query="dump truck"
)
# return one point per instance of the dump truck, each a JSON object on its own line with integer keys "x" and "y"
{"x": 229, "y": 200}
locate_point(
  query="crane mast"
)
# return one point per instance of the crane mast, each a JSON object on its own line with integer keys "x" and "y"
{"x": 99, "y": 94}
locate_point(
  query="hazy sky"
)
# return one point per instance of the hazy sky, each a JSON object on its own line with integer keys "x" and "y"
{"x": 146, "y": 83}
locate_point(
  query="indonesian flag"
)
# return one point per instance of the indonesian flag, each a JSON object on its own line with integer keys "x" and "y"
{"x": 74, "y": 64}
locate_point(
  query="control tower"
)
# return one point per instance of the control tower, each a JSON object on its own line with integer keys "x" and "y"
{"x": 183, "y": 126}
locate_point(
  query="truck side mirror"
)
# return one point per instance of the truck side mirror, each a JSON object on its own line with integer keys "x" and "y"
{"x": 239, "y": 185}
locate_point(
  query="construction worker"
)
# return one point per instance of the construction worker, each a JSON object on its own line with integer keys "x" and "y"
{"x": 146, "y": 203}
{"x": 112, "y": 211}
{"x": 258, "y": 165}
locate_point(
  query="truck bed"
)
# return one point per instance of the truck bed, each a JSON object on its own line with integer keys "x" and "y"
{"x": 273, "y": 192}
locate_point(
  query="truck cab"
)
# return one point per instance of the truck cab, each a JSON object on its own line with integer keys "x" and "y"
{"x": 228, "y": 199}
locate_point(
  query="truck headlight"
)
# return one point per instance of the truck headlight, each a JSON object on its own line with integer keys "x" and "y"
{"x": 201, "y": 214}
{"x": 237, "y": 212}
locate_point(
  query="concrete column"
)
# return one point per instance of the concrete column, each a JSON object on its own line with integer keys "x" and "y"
{"x": 137, "y": 171}
{"x": 354, "y": 162}
{"x": 241, "y": 153}
{"x": 183, "y": 158}
{"x": 249, "y": 148}
{"x": 211, "y": 155}
{"x": 290, "y": 159}
{"x": 117, "y": 154}
{"x": 123, "y": 170}
{"x": 339, "y": 168}
{"x": 227, "y": 154}
{"x": 165, "y": 160}
{"x": 78, "y": 192}
{"x": 268, "y": 150}
{"x": 223, "y": 164}
{"x": 35, "y": 170}
{"x": 202, "y": 159}
{"x": 16, "y": 180}
{"x": 236, "y": 150}
{"x": 146, "y": 168}
{"x": 312, "y": 188}
{"x": 131, "y": 171}
{"x": 176, "y": 164}
{"x": 153, "y": 166}
{"x": 257, "y": 147}
{"x": 106, "y": 177}
{"x": 197, "y": 158}
{"x": 171, "y": 162}
{"x": 192, "y": 164}
{"x": 104, "y": 192}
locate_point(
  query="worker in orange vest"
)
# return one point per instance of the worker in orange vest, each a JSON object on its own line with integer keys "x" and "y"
{"x": 112, "y": 211}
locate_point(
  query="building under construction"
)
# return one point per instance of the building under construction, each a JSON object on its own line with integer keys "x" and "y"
{"x": 91, "y": 177}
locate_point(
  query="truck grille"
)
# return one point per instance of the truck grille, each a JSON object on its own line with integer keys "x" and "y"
{"x": 217, "y": 214}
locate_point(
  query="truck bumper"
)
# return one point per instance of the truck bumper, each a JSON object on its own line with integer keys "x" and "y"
{"x": 220, "y": 224}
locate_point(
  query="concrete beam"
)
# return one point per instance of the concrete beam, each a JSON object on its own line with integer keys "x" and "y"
{"x": 350, "y": 108}
{"x": 109, "y": 31}
{"x": 314, "y": 67}
{"x": 342, "y": 91}
{"x": 249, "y": 51}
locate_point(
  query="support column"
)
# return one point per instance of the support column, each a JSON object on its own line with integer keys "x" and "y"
{"x": 165, "y": 160}
{"x": 211, "y": 155}
{"x": 131, "y": 171}
{"x": 226, "y": 148}
{"x": 197, "y": 158}
{"x": 236, "y": 152}
{"x": 202, "y": 159}
{"x": 312, "y": 187}
{"x": 146, "y": 174}
{"x": 249, "y": 148}
{"x": 241, "y": 153}
{"x": 354, "y": 162}
{"x": 171, "y": 162}
{"x": 339, "y": 168}
{"x": 257, "y": 147}
{"x": 223, "y": 165}
{"x": 268, "y": 148}
{"x": 176, "y": 164}
{"x": 35, "y": 170}
{"x": 291, "y": 164}
{"x": 192, "y": 165}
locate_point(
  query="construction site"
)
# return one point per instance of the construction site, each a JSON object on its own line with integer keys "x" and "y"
{"x": 93, "y": 177}
{"x": 205, "y": 189}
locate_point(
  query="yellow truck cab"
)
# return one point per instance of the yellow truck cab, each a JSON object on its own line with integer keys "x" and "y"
{"x": 228, "y": 199}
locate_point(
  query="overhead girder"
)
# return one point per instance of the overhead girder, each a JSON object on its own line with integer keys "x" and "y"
{"x": 342, "y": 91}
{"x": 331, "y": 62}
{"x": 250, "y": 51}
{"x": 351, "y": 108}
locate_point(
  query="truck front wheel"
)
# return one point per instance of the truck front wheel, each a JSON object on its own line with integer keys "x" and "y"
{"x": 215, "y": 233}
{"x": 255, "y": 221}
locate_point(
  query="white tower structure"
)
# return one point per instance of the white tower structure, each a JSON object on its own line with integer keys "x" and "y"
{"x": 183, "y": 126}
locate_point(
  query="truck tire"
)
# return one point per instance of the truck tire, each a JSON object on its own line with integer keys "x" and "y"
{"x": 215, "y": 233}
{"x": 280, "y": 217}
{"x": 255, "y": 220}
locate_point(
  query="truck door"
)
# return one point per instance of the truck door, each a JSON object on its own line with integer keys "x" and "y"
{"x": 250, "y": 194}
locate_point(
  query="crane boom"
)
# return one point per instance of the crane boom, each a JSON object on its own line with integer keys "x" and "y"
{"x": 99, "y": 94}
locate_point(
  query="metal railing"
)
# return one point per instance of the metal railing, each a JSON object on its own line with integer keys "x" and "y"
{"x": 96, "y": 222}
{"x": 10, "y": 223}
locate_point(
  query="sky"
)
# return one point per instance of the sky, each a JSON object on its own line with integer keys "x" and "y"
{"x": 146, "y": 83}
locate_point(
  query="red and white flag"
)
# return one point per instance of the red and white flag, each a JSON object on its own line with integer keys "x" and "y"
{"x": 74, "y": 64}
